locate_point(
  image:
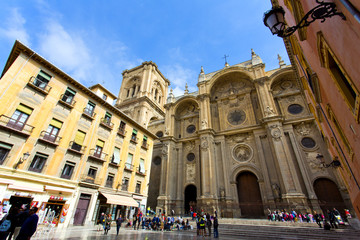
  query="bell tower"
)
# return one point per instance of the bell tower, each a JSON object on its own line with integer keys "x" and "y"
{"x": 143, "y": 93}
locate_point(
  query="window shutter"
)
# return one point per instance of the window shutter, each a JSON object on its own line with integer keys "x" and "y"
{"x": 79, "y": 138}
{"x": 129, "y": 159}
{"x": 6, "y": 146}
{"x": 56, "y": 123}
{"x": 100, "y": 143}
{"x": 135, "y": 131}
{"x": 142, "y": 165}
{"x": 71, "y": 91}
{"x": 116, "y": 155}
{"x": 45, "y": 75}
{"x": 24, "y": 109}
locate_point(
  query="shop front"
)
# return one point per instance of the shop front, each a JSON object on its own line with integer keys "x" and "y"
{"x": 115, "y": 205}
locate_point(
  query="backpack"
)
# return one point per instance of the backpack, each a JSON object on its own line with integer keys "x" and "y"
{"x": 5, "y": 225}
{"x": 201, "y": 221}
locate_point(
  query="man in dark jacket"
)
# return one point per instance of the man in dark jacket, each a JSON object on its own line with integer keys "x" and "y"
{"x": 29, "y": 226}
{"x": 216, "y": 225}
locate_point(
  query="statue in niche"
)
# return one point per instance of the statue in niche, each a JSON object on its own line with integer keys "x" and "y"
{"x": 269, "y": 111}
{"x": 203, "y": 124}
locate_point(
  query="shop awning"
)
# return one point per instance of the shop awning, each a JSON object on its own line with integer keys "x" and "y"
{"x": 6, "y": 181}
{"x": 59, "y": 189}
{"x": 26, "y": 188}
{"x": 120, "y": 200}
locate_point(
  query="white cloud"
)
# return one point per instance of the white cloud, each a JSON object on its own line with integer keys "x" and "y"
{"x": 15, "y": 27}
{"x": 66, "y": 50}
{"x": 179, "y": 76}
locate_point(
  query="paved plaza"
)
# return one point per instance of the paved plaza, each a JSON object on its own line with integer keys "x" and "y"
{"x": 226, "y": 231}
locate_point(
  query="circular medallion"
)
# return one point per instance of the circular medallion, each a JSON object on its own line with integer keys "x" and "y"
{"x": 159, "y": 134}
{"x": 242, "y": 152}
{"x": 295, "y": 108}
{"x": 236, "y": 117}
{"x": 308, "y": 142}
{"x": 157, "y": 161}
{"x": 190, "y": 157}
{"x": 191, "y": 129}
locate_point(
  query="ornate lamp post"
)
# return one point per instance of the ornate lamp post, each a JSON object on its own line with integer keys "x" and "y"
{"x": 21, "y": 160}
{"x": 274, "y": 19}
{"x": 334, "y": 164}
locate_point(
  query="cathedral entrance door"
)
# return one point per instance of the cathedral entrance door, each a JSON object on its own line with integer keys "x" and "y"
{"x": 328, "y": 195}
{"x": 190, "y": 198}
{"x": 250, "y": 201}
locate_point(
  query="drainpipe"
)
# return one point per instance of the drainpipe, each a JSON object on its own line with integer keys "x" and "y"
{"x": 353, "y": 11}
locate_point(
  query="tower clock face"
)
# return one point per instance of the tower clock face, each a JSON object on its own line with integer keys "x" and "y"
{"x": 236, "y": 117}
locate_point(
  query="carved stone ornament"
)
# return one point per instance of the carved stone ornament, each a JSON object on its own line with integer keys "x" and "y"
{"x": 242, "y": 152}
{"x": 204, "y": 143}
{"x": 275, "y": 132}
{"x": 164, "y": 150}
{"x": 286, "y": 84}
{"x": 190, "y": 172}
{"x": 269, "y": 111}
{"x": 291, "y": 99}
{"x": 190, "y": 146}
{"x": 276, "y": 191}
{"x": 238, "y": 138}
{"x": 166, "y": 131}
{"x": 303, "y": 129}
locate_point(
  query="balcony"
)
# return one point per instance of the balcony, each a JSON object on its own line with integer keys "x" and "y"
{"x": 129, "y": 167}
{"x": 134, "y": 140}
{"x": 49, "y": 138}
{"x": 39, "y": 85}
{"x": 84, "y": 178}
{"x": 141, "y": 172}
{"x": 15, "y": 126}
{"x": 121, "y": 132}
{"x": 67, "y": 101}
{"x": 144, "y": 145}
{"x": 106, "y": 123}
{"x": 76, "y": 148}
{"x": 100, "y": 156}
{"x": 89, "y": 113}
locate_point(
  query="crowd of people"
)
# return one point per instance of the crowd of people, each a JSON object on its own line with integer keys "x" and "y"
{"x": 162, "y": 223}
{"x": 331, "y": 219}
{"x": 19, "y": 223}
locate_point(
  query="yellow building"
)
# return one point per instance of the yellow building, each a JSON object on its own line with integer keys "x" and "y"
{"x": 65, "y": 147}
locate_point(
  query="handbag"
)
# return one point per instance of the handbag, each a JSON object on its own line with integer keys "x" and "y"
{"x": 5, "y": 225}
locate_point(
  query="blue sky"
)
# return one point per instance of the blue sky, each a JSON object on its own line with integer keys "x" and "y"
{"x": 94, "y": 41}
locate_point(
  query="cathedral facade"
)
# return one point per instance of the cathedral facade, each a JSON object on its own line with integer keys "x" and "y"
{"x": 245, "y": 142}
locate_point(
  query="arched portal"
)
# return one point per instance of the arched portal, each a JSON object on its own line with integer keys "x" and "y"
{"x": 250, "y": 201}
{"x": 190, "y": 198}
{"x": 328, "y": 195}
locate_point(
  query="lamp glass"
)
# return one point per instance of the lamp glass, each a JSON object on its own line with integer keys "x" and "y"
{"x": 26, "y": 155}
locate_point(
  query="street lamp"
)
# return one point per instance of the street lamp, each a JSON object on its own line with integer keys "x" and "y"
{"x": 334, "y": 164}
{"x": 274, "y": 19}
{"x": 21, "y": 160}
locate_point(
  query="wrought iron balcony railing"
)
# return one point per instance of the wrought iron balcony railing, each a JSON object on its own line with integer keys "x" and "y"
{"x": 39, "y": 85}
{"x": 128, "y": 167}
{"x": 140, "y": 171}
{"x": 121, "y": 132}
{"x": 97, "y": 155}
{"x": 89, "y": 113}
{"x": 90, "y": 179}
{"x": 73, "y": 146}
{"x": 51, "y": 138}
{"x": 15, "y": 125}
{"x": 67, "y": 100}
{"x": 106, "y": 123}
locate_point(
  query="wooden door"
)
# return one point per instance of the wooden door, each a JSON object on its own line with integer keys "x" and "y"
{"x": 81, "y": 210}
{"x": 328, "y": 195}
{"x": 250, "y": 201}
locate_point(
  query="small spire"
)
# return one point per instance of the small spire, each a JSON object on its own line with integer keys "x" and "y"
{"x": 202, "y": 70}
{"x": 186, "y": 89}
{"x": 281, "y": 62}
{"x": 171, "y": 96}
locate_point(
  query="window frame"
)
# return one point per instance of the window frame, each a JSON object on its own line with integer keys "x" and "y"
{"x": 38, "y": 162}
{"x": 72, "y": 168}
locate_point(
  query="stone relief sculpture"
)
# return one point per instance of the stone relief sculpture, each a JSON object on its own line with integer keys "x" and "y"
{"x": 204, "y": 143}
{"x": 164, "y": 150}
{"x": 204, "y": 124}
{"x": 242, "y": 152}
{"x": 190, "y": 146}
{"x": 303, "y": 129}
{"x": 190, "y": 172}
{"x": 275, "y": 132}
{"x": 276, "y": 191}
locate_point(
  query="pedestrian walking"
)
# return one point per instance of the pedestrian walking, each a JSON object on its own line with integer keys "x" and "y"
{"x": 118, "y": 224}
{"x": 107, "y": 224}
{"x": 209, "y": 224}
{"x": 7, "y": 223}
{"x": 28, "y": 228}
{"x": 202, "y": 226}
{"x": 102, "y": 222}
{"x": 134, "y": 221}
{"x": 318, "y": 218}
{"x": 216, "y": 225}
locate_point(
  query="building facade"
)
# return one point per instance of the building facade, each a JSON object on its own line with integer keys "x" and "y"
{"x": 65, "y": 148}
{"x": 244, "y": 142}
{"x": 325, "y": 54}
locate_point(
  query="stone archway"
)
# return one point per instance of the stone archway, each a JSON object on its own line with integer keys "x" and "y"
{"x": 190, "y": 198}
{"x": 250, "y": 201}
{"x": 328, "y": 195}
